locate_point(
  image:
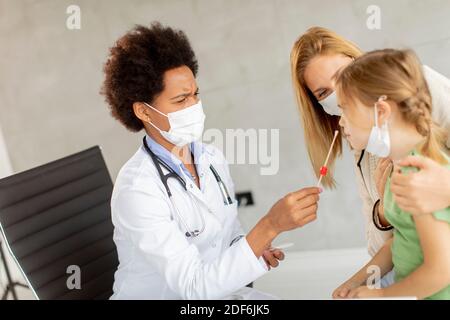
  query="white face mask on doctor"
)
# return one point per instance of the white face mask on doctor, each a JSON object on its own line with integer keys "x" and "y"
{"x": 330, "y": 105}
{"x": 379, "y": 143}
{"x": 186, "y": 125}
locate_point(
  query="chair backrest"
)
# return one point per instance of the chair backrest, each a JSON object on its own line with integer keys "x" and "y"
{"x": 57, "y": 224}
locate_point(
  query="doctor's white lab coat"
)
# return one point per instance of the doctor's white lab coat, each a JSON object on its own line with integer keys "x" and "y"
{"x": 157, "y": 260}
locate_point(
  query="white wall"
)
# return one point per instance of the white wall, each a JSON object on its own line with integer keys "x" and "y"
{"x": 50, "y": 78}
{"x": 5, "y": 163}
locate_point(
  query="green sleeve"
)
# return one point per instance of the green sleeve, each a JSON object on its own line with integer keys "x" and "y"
{"x": 443, "y": 215}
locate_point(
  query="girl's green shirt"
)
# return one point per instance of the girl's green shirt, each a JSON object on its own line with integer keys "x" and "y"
{"x": 407, "y": 254}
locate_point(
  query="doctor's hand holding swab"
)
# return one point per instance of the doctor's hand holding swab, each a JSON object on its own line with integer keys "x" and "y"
{"x": 294, "y": 210}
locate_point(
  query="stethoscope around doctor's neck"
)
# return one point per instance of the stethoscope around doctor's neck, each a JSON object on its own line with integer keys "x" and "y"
{"x": 172, "y": 174}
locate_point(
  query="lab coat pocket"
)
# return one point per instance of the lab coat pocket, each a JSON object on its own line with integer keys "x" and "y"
{"x": 230, "y": 212}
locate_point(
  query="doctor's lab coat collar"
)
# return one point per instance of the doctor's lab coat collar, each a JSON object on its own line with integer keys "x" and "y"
{"x": 198, "y": 149}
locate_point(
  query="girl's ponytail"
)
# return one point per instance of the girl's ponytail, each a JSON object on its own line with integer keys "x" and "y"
{"x": 419, "y": 112}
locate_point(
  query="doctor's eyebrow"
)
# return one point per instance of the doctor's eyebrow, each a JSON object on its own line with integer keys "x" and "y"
{"x": 183, "y": 95}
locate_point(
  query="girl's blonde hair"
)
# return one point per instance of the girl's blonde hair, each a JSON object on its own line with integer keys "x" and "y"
{"x": 318, "y": 126}
{"x": 397, "y": 74}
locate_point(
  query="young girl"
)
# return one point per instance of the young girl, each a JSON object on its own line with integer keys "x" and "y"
{"x": 386, "y": 109}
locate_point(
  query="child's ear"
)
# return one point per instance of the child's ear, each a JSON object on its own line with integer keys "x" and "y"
{"x": 384, "y": 111}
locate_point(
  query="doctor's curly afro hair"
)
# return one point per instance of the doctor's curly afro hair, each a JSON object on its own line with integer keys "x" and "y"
{"x": 136, "y": 65}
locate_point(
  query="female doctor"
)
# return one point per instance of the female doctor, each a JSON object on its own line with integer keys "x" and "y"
{"x": 176, "y": 227}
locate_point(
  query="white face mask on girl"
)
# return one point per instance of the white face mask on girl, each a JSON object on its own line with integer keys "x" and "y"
{"x": 379, "y": 143}
{"x": 186, "y": 125}
{"x": 330, "y": 105}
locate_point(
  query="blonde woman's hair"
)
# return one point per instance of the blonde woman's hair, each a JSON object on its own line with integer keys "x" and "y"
{"x": 397, "y": 74}
{"x": 318, "y": 125}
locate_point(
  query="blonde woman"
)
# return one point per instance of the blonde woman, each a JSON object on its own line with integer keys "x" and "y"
{"x": 385, "y": 92}
{"x": 315, "y": 58}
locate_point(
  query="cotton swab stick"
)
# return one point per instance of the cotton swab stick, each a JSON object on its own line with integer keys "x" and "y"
{"x": 324, "y": 169}
{"x": 282, "y": 246}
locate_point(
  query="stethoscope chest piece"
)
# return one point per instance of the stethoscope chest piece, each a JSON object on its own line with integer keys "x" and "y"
{"x": 194, "y": 233}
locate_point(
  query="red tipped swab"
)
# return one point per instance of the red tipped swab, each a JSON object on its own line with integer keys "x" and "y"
{"x": 324, "y": 169}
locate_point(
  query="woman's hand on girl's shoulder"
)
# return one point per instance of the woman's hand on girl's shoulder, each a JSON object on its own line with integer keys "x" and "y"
{"x": 422, "y": 192}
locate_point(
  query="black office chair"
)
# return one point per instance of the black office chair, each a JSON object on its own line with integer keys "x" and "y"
{"x": 56, "y": 218}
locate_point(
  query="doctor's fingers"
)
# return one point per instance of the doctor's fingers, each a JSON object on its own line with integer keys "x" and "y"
{"x": 306, "y": 216}
{"x": 278, "y": 254}
{"x": 307, "y": 201}
{"x": 305, "y": 208}
{"x": 271, "y": 260}
{"x": 302, "y": 193}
